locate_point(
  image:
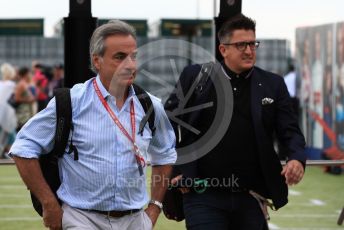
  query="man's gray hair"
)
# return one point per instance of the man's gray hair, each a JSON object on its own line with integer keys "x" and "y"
{"x": 113, "y": 27}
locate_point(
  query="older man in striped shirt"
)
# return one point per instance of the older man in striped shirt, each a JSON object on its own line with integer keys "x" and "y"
{"x": 104, "y": 189}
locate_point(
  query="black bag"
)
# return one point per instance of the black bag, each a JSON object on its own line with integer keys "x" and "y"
{"x": 12, "y": 101}
{"x": 173, "y": 205}
{"x": 173, "y": 201}
{"x": 49, "y": 162}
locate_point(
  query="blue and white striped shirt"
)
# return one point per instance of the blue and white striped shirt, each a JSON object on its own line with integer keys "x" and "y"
{"x": 106, "y": 176}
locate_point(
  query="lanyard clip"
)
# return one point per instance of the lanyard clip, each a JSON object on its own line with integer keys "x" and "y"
{"x": 139, "y": 157}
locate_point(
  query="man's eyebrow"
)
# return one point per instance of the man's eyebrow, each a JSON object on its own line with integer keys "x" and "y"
{"x": 124, "y": 53}
{"x": 120, "y": 53}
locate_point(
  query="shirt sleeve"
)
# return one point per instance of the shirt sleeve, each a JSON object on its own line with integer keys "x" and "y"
{"x": 36, "y": 137}
{"x": 162, "y": 145}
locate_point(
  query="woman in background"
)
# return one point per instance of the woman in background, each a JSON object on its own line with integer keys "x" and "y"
{"x": 7, "y": 83}
{"x": 24, "y": 97}
{"x": 8, "y": 119}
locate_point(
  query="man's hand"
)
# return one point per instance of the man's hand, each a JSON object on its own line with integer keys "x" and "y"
{"x": 52, "y": 215}
{"x": 158, "y": 188}
{"x": 293, "y": 172}
{"x": 153, "y": 212}
{"x": 175, "y": 180}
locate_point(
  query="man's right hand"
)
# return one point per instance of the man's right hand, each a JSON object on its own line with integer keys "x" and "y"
{"x": 52, "y": 215}
{"x": 175, "y": 180}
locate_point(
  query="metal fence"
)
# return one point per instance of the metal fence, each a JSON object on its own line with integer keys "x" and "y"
{"x": 21, "y": 51}
{"x": 272, "y": 55}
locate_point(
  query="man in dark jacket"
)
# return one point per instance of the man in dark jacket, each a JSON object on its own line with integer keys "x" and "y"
{"x": 244, "y": 160}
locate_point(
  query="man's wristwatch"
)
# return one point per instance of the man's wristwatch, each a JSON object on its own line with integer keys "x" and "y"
{"x": 157, "y": 203}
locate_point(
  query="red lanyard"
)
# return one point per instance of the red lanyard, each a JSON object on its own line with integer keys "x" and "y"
{"x": 139, "y": 159}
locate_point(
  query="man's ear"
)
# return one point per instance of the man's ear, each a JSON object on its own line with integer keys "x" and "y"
{"x": 96, "y": 61}
{"x": 222, "y": 50}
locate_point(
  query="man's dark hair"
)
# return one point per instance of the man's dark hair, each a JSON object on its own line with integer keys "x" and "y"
{"x": 238, "y": 22}
{"x": 23, "y": 71}
{"x": 291, "y": 67}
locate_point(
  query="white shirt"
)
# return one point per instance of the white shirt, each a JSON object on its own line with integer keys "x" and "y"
{"x": 6, "y": 90}
{"x": 290, "y": 81}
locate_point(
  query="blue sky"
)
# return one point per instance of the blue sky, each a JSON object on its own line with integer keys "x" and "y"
{"x": 275, "y": 18}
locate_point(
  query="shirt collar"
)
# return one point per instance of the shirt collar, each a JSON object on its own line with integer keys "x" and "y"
{"x": 101, "y": 87}
{"x": 131, "y": 92}
{"x": 106, "y": 94}
{"x": 229, "y": 73}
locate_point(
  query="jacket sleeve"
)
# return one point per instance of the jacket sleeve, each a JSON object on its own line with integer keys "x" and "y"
{"x": 288, "y": 130}
{"x": 174, "y": 103}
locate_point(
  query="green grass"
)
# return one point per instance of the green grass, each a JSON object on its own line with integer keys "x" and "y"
{"x": 300, "y": 213}
{"x": 14, "y": 193}
{"x": 16, "y": 212}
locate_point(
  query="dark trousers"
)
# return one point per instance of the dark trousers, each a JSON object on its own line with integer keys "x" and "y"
{"x": 214, "y": 210}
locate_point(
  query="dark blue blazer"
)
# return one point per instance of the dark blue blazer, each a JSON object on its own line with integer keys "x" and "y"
{"x": 269, "y": 120}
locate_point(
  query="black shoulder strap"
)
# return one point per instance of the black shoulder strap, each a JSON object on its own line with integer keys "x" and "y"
{"x": 63, "y": 120}
{"x": 148, "y": 107}
{"x": 203, "y": 75}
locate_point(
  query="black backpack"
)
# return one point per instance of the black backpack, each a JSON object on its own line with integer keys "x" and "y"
{"x": 49, "y": 162}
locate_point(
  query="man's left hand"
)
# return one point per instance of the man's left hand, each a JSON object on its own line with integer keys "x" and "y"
{"x": 293, "y": 172}
{"x": 153, "y": 212}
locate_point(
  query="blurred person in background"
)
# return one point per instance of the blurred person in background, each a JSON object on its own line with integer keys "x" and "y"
{"x": 57, "y": 80}
{"x": 24, "y": 97}
{"x": 7, "y": 83}
{"x": 41, "y": 83}
{"x": 7, "y": 113}
{"x": 290, "y": 81}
